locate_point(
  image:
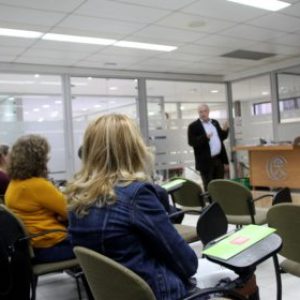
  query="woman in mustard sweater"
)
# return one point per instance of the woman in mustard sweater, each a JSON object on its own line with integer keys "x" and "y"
{"x": 34, "y": 199}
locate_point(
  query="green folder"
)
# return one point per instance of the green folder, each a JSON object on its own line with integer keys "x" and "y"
{"x": 232, "y": 244}
{"x": 173, "y": 184}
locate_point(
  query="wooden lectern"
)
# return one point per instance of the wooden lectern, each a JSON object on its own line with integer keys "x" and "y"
{"x": 274, "y": 165}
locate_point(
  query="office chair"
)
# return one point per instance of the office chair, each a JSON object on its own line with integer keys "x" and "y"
{"x": 109, "y": 280}
{"x": 285, "y": 217}
{"x": 212, "y": 223}
{"x": 189, "y": 196}
{"x": 282, "y": 196}
{"x": 237, "y": 202}
{"x": 44, "y": 268}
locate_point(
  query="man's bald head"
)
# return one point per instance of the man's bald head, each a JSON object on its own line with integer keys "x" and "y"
{"x": 203, "y": 111}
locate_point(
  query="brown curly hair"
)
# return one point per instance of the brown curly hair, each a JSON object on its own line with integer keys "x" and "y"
{"x": 29, "y": 157}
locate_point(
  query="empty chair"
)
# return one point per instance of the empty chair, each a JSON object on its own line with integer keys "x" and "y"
{"x": 212, "y": 223}
{"x": 110, "y": 280}
{"x": 43, "y": 268}
{"x": 282, "y": 196}
{"x": 285, "y": 217}
{"x": 237, "y": 202}
{"x": 190, "y": 195}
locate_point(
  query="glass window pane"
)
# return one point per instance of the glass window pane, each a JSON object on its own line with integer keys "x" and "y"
{"x": 172, "y": 105}
{"x": 32, "y": 104}
{"x": 94, "y": 97}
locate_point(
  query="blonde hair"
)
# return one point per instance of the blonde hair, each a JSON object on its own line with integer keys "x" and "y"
{"x": 113, "y": 153}
{"x": 29, "y": 157}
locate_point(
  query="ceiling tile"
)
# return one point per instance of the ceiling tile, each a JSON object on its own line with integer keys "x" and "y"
{"x": 100, "y": 64}
{"x": 293, "y": 10}
{"x": 286, "y": 39}
{"x": 275, "y": 48}
{"x": 224, "y": 10}
{"x": 17, "y": 42}
{"x": 224, "y": 42}
{"x": 100, "y": 25}
{"x": 49, "y": 5}
{"x": 171, "y": 34}
{"x": 278, "y": 22}
{"x": 66, "y": 47}
{"x": 45, "y": 61}
{"x": 130, "y": 52}
{"x": 10, "y": 51}
{"x": 117, "y": 59}
{"x": 7, "y": 58}
{"x": 195, "y": 23}
{"x": 201, "y": 50}
{"x": 120, "y": 11}
{"x": 181, "y": 56}
{"x": 169, "y": 5}
{"x": 55, "y": 54}
{"x": 251, "y": 32}
{"x": 29, "y": 16}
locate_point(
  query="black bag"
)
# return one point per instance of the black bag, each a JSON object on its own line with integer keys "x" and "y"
{"x": 15, "y": 263}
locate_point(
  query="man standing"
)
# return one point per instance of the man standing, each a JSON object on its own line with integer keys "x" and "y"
{"x": 206, "y": 136}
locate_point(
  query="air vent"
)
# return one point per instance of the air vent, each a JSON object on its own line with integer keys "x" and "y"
{"x": 245, "y": 54}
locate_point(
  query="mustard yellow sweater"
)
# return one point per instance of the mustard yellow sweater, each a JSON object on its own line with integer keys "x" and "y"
{"x": 41, "y": 206}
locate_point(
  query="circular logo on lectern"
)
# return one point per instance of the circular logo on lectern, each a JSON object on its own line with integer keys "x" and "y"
{"x": 276, "y": 168}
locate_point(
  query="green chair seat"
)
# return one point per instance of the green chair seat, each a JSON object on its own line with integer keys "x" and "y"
{"x": 45, "y": 268}
{"x": 291, "y": 267}
{"x": 188, "y": 233}
{"x": 260, "y": 218}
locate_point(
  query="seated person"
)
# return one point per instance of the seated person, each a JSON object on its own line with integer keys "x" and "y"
{"x": 4, "y": 179}
{"x": 115, "y": 210}
{"x": 35, "y": 200}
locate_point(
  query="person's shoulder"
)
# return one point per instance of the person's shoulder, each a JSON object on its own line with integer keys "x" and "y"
{"x": 195, "y": 123}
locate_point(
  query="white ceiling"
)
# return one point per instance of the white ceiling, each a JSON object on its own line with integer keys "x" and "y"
{"x": 202, "y": 29}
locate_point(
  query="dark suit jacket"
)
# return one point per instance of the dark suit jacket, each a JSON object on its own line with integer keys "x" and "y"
{"x": 198, "y": 140}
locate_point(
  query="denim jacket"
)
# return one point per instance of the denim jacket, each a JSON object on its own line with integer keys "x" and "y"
{"x": 136, "y": 232}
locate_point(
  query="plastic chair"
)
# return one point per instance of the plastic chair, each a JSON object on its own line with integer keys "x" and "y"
{"x": 44, "y": 268}
{"x": 237, "y": 202}
{"x": 282, "y": 196}
{"x": 189, "y": 196}
{"x": 212, "y": 223}
{"x": 285, "y": 217}
{"x": 110, "y": 280}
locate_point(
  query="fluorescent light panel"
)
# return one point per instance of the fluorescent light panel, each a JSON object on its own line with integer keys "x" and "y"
{"x": 145, "y": 46}
{"x": 83, "y": 40}
{"x": 20, "y": 33}
{"x": 76, "y": 39}
{"x": 272, "y": 5}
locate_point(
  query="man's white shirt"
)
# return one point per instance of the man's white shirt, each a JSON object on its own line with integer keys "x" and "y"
{"x": 214, "y": 142}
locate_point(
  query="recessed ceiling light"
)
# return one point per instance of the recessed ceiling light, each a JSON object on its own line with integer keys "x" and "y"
{"x": 90, "y": 78}
{"x": 145, "y": 46}
{"x": 272, "y": 5}
{"x": 20, "y": 33}
{"x": 36, "y": 109}
{"x": 265, "y": 93}
{"x": 113, "y": 88}
{"x": 84, "y": 109}
{"x": 46, "y": 106}
{"x": 58, "y": 102}
{"x": 11, "y": 99}
{"x": 40, "y": 119}
{"x": 37, "y": 75}
{"x": 112, "y": 102}
{"x": 214, "y": 91}
{"x": 97, "y": 105}
{"x": 77, "y": 39}
{"x": 182, "y": 107}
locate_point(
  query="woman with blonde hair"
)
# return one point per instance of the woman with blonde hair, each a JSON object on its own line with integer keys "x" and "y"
{"x": 114, "y": 209}
{"x": 4, "y": 179}
{"x": 32, "y": 197}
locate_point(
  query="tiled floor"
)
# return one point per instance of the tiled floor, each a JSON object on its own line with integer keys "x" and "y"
{"x": 63, "y": 287}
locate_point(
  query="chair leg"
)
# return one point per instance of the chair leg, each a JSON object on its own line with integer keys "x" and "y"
{"x": 278, "y": 277}
{"x": 34, "y": 286}
{"x": 78, "y": 288}
{"x": 87, "y": 287}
